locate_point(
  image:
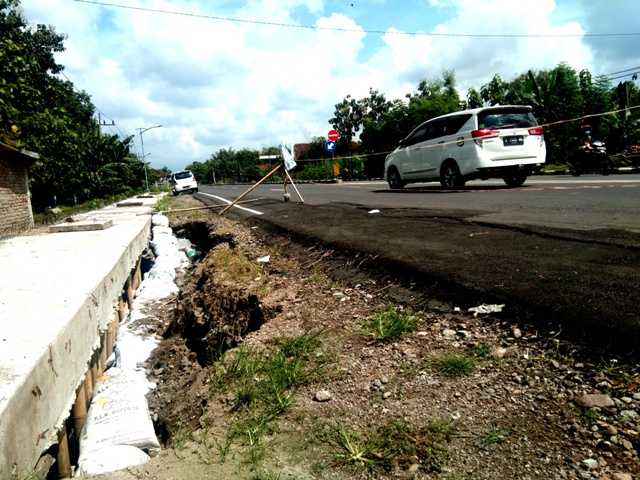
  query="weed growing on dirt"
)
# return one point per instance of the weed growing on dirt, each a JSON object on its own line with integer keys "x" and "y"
{"x": 454, "y": 364}
{"x": 396, "y": 443}
{"x": 492, "y": 436}
{"x": 481, "y": 350}
{"x": 163, "y": 204}
{"x": 179, "y": 437}
{"x": 236, "y": 265}
{"x": 592, "y": 415}
{"x": 263, "y": 383}
{"x": 390, "y": 324}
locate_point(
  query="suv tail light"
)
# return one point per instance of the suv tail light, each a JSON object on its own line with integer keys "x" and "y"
{"x": 536, "y": 131}
{"x": 484, "y": 133}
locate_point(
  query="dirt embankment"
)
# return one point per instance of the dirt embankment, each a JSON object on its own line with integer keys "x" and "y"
{"x": 343, "y": 372}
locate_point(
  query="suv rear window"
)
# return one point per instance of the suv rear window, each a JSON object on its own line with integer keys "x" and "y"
{"x": 182, "y": 175}
{"x": 506, "y": 118}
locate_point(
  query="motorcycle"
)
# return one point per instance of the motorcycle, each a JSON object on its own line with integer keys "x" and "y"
{"x": 591, "y": 157}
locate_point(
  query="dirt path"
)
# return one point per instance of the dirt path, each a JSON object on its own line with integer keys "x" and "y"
{"x": 315, "y": 366}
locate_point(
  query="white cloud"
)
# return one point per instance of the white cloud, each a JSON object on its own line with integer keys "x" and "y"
{"x": 220, "y": 84}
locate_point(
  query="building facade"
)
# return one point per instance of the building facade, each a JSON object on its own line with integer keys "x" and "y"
{"x": 16, "y": 214}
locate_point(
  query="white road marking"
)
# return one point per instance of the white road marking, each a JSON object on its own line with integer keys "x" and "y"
{"x": 228, "y": 202}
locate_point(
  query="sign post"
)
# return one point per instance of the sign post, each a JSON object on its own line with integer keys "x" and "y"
{"x": 332, "y": 139}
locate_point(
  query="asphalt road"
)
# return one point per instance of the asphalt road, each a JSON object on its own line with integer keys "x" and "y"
{"x": 583, "y": 203}
{"x": 560, "y": 250}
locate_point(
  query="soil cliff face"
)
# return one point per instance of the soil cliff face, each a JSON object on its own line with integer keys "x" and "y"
{"x": 213, "y": 316}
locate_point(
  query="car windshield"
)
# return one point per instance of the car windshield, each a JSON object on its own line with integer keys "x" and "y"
{"x": 507, "y": 118}
{"x": 182, "y": 175}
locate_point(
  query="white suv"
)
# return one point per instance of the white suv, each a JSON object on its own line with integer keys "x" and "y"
{"x": 493, "y": 142}
{"x": 183, "y": 182}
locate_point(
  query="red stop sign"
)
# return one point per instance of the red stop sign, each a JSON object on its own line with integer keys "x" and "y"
{"x": 333, "y": 136}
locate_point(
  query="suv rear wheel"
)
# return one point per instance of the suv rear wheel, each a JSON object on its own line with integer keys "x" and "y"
{"x": 450, "y": 176}
{"x": 394, "y": 179}
{"x": 515, "y": 180}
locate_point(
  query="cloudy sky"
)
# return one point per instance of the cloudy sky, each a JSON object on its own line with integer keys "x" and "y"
{"x": 214, "y": 84}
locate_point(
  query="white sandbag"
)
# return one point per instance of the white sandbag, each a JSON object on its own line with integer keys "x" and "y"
{"x": 184, "y": 244}
{"x": 159, "y": 220}
{"x": 111, "y": 459}
{"x": 118, "y": 415}
{"x": 161, "y": 231}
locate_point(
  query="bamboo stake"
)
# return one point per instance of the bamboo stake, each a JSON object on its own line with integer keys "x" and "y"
{"x": 294, "y": 185}
{"x": 129, "y": 293}
{"x": 122, "y": 310}
{"x": 247, "y": 192}
{"x": 63, "y": 459}
{"x": 79, "y": 410}
{"x": 95, "y": 371}
{"x": 102, "y": 356}
{"x": 88, "y": 386}
{"x": 137, "y": 276}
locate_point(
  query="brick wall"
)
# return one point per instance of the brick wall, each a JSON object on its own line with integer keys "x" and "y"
{"x": 15, "y": 205}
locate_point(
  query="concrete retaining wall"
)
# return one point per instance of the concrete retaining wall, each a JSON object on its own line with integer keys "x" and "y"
{"x": 58, "y": 293}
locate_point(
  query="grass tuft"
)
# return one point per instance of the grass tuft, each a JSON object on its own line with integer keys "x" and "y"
{"x": 235, "y": 265}
{"x": 263, "y": 383}
{"x": 481, "y": 350}
{"x": 396, "y": 443}
{"x": 163, "y": 204}
{"x": 492, "y": 436}
{"x": 454, "y": 364}
{"x": 390, "y": 324}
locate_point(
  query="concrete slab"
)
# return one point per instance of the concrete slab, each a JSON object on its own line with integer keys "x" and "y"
{"x": 57, "y": 293}
{"x": 86, "y": 226}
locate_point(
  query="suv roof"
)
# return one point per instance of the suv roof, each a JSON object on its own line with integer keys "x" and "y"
{"x": 482, "y": 109}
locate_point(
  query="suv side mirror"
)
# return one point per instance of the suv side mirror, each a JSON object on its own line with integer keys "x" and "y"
{"x": 402, "y": 143}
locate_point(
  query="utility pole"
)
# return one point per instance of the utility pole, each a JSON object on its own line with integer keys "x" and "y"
{"x": 141, "y": 131}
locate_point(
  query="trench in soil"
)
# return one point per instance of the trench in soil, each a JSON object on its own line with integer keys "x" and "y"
{"x": 209, "y": 318}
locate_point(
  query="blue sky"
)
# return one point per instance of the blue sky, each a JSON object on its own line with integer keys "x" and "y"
{"x": 219, "y": 85}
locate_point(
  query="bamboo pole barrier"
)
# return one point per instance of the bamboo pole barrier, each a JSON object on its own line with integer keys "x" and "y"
{"x": 247, "y": 192}
{"x": 206, "y": 207}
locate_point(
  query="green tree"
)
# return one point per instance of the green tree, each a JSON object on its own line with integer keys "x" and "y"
{"x": 474, "y": 100}
{"x": 41, "y": 112}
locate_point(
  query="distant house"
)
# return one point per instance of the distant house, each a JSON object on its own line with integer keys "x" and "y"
{"x": 15, "y": 201}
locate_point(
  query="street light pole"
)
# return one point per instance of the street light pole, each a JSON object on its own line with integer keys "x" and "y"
{"x": 141, "y": 131}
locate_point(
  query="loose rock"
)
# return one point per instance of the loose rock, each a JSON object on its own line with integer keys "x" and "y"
{"x": 448, "y": 333}
{"x": 621, "y": 476}
{"x": 322, "y": 396}
{"x": 595, "y": 400}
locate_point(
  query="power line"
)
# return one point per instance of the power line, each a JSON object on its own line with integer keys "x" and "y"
{"x": 355, "y": 30}
{"x": 620, "y": 71}
{"x": 630, "y": 74}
